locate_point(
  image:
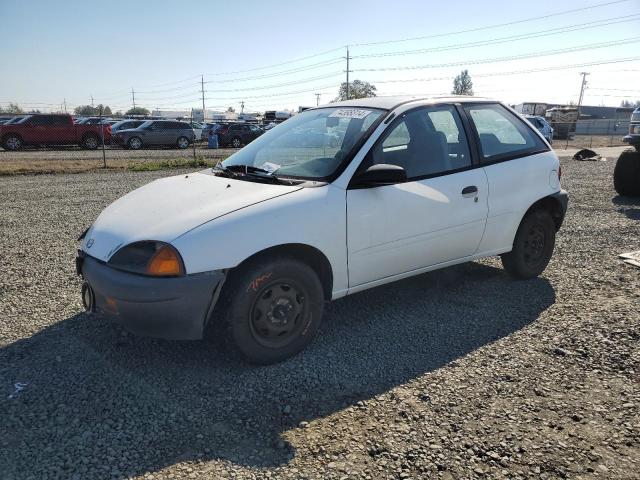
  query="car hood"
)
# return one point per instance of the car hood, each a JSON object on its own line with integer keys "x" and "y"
{"x": 167, "y": 208}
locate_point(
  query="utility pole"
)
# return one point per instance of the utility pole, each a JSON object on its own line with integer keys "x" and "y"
{"x": 91, "y": 101}
{"x": 241, "y": 107}
{"x": 347, "y": 72}
{"x": 317, "y": 98}
{"x": 133, "y": 98}
{"x": 202, "y": 87}
{"x": 65, "y": 105}
{"x": 583, "y": 86}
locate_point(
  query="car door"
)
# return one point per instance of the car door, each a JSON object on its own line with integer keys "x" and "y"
{"x": 246, "y": 134}
{"x": 438, "y": 215}
{"x": 41, "y": 129}
{"x": 154, "y": 134}
{"x": 520, "y": 167}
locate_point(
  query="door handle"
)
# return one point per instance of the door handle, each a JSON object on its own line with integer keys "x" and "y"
{"x": 470, "y": 191}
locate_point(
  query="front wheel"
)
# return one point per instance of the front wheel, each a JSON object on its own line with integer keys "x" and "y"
{"x": 274, "y": 308}
{"x": 236, "y": 142}
{"x": 183, "y": 142}
{"x": 12, "y": 142}
{"x": 532, "y": 247}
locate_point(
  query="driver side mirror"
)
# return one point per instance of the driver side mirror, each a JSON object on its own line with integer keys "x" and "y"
{"x": 379, "y": 175}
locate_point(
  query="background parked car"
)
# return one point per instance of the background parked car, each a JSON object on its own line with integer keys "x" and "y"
{"x": 156, "y": 132}
{"x": 52, "y": 129}
{"x": 197, "y": 129}
{"x": 209, "y": 128}
{"x": 238, "y": 134}
{"x": 541, "y": 124}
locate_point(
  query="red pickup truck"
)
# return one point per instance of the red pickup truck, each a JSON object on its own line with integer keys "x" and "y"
{"x": 52, "y": 129}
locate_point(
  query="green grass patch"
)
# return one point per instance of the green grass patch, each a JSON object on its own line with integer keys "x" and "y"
{"x": 151, "y": 166}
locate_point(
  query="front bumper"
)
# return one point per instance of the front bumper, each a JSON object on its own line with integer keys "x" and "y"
{"x": 174, "y": 308}
{"x": 632, "y": 139}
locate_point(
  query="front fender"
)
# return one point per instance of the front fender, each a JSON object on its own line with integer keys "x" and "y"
{"x": 311, "y": 216}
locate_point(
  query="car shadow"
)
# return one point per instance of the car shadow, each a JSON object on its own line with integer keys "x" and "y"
{"x": 629, "y": 206}
{"x": 124, "y": 405}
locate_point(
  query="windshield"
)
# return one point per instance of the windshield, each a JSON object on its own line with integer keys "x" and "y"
{"x": 310, "y": 145}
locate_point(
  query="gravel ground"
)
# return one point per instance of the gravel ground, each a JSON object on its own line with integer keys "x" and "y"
{"x": 459, "y": 373}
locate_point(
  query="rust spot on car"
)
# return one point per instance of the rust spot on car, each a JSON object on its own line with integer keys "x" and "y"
{"x": 255, "y": 284}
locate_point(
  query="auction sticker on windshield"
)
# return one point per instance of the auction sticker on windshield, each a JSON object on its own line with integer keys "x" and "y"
{"x": 350, "y": 113}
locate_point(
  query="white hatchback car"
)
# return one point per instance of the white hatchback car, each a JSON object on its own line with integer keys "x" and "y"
{"x": 283, "y": 225}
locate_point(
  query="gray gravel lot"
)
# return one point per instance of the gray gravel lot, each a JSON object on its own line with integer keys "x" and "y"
{"x": 460, "y": 373}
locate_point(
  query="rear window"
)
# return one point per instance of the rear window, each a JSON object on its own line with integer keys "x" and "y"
{"x": 502, "y": 134}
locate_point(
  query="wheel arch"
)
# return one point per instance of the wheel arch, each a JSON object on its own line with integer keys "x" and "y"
{"x": 307, "y": 254}
{"x": 11, "y": 134}
{"x": 553, "y": 205}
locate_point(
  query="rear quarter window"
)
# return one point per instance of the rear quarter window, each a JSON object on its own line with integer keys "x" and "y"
{"x": 503, "y": 135}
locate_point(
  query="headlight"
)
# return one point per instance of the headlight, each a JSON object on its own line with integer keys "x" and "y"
{"x": 158, "y": 259}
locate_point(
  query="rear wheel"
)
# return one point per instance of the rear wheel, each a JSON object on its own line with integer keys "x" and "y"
{"x": 183, "y": 142}
{"x": 236, "y": 142}
{"x": 12, "y": 142}
{"x": 626, "y": 176}
{"x": 90, "y": 142}
{"x": 532, "y": 247}
{"x": 274, "y": 308}
{"x": 134, "y": 143}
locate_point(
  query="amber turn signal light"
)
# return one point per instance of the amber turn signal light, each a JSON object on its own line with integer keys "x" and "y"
{"x": 165, "y": 262}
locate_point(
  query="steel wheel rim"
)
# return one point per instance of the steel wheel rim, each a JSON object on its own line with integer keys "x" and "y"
{"x": 534, "y": 245}
{"x": 91, "y": 142}
{"x": 236, "y": 143}
{"x": 135, "y": 143}
{"x": 278, "y": 313}
{"x": 183, "y": 143}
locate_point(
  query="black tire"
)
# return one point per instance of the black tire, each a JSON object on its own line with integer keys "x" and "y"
{"x": 236, "y": 142}
{"x": 134, "y": 143}
{"x": 626, "y": 175}
{"x": 90, "y": 142}
{"x": 12, "y": 143}
{"x": 532, "y": 247}
{"x": 273, "y": 308}
{"x": 182, "y": 143}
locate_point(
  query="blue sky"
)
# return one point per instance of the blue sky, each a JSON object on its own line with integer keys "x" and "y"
{"x": 55, "y": 50}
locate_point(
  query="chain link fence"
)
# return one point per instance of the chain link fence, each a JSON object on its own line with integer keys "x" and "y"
{"x": 43, "y": 143}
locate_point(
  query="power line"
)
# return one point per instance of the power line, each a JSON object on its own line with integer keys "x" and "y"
{"x": 514, "y": 72}
{"x": 591, "y": 46}
{"x": 489, "y": 27}
{"x": 296, "y": 82}
{"x": 510, "y": 38}
{"x": 332, "y": 61}
{"x": 278, "y": 64}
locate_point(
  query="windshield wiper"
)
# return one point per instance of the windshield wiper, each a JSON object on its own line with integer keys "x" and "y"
{"x": 235, "y": 171}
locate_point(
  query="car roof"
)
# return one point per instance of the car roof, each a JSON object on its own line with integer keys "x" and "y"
{"x": 391, "y": 102}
